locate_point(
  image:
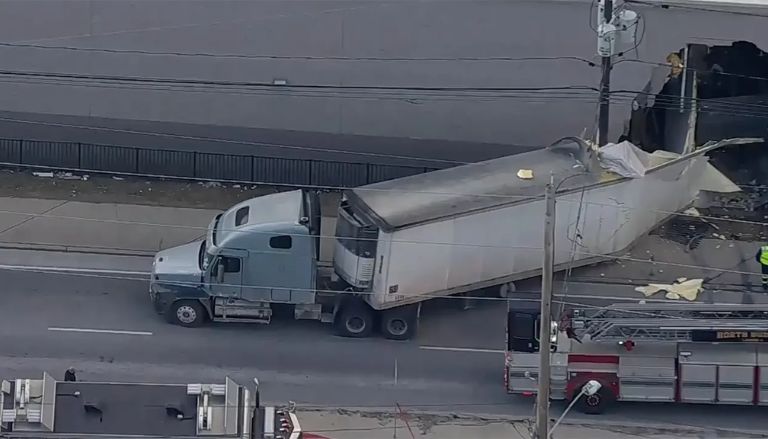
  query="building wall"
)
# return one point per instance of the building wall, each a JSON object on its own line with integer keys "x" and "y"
{"x": 324, "y": 31}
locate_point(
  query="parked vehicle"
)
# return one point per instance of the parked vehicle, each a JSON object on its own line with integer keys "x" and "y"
{"x": 401, "y": 242}
{"x": 678, "y": 352}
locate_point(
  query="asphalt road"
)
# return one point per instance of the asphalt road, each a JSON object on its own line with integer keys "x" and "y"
{"x": 44, "y": 316}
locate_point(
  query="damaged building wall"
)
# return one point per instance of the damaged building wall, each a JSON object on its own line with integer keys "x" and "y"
{"x": 723, "y": 93}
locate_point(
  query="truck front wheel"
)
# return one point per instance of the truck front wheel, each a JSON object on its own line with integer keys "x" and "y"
{"x": 400, "y": 323}
{"x": 355, "y": 319}
{"x": 187, "y": 313}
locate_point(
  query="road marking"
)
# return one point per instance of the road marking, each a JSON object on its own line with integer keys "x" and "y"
{"x": 100, "y": 331}
{"x": 395, "y": 370}
{"x": 73, "y": 270}
{"x": 476, "y": 350}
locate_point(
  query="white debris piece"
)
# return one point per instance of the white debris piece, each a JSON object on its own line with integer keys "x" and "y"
{"x": 525, "y": 174}
{"x": 624, "y": 159}
{"x": 688, "y": 289}
{"x": 43, "y": 174}
{"x": 117, "y": 178}
{"x": 692, "y": 212}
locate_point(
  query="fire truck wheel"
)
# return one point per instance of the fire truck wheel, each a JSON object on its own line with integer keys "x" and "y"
{"x": 399, "y": 323}
{"x": 187, "y": 313}
{"x": 355, "y": 319}
{"x": 597, "y": 403}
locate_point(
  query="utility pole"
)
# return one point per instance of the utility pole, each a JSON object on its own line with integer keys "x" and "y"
{"x": 545, "y": 326}
{"x": 606, "y": 37}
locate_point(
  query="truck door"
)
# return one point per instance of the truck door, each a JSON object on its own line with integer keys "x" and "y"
{"x": 226, "y": 276}
{"x": 522, "y": 331}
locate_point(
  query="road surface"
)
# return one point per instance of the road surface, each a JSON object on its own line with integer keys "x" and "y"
{"x": 107, "y": 330}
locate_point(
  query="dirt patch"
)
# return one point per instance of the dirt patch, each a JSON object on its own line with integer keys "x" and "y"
{"x": 126, "y": 190}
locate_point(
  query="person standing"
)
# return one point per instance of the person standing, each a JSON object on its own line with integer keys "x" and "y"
{"x": 69, "y": 375}
{"x": 762, "y": 258}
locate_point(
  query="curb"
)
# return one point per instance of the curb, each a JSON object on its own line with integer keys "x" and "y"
{"x": 596, "y": 424}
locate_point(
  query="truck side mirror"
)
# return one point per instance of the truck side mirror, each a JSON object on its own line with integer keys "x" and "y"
{"x": 220, "y": 270}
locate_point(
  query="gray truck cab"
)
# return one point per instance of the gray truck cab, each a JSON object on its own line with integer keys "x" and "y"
{"x": 260, "y": 251}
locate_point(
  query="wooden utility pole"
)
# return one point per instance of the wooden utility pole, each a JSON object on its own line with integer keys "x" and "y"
{"x": 605, "y": 81}
{"x": 545, "y": 318}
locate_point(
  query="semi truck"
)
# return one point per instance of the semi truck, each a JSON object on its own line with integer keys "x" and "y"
{"x": 662, "y": 352}
{"x": 397, "y": 243}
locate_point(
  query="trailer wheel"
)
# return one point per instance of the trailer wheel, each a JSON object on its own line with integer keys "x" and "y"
{"x": 187, "y": 313}
{"x": 597, "y": 403}
{"x": 355, "y": 319}
{"x": 399, "y": 323}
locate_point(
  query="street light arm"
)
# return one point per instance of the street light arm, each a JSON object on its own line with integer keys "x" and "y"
{"x": 589, "y": 388}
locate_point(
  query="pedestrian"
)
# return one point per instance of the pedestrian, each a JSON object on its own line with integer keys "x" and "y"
{"x": 762, "y": 258}
{"x": 69, "y": 375}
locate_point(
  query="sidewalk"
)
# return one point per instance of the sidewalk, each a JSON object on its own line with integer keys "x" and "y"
{"x": 98, "y": 227}
{"x": 344, "y": 424}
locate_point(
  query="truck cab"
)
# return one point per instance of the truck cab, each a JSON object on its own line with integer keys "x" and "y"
{"x": 260, "y": 251}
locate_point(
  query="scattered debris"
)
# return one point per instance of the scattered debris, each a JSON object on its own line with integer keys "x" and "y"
{"x": 43, "y": 174}
{"x": 236, "y": 186}
{"x": 688, "y": 289}
{"x": 525, "y": 174}
{"x": 71, "y": 176}
{"x": 210, "y": 184}
{"x": 719, "y": 236}
{"x": 117, "y": 178}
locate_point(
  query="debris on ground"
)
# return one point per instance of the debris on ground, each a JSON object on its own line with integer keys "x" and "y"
{"x": 688, "y": 289}
{"x": 123, "y": 189}
{"x": 525, "y": 174}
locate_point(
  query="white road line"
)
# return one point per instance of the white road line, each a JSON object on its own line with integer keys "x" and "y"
{"x": 100, "y": 331}
{"x": 72, "y": 270}
{"x": 476, "y": 350}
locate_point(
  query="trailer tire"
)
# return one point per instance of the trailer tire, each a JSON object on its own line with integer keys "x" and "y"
{"x": 187, "y": 313}
{"x": 597, "y": 403}
{"x": 354, "y": 320}
{"x": 399, "y": 323}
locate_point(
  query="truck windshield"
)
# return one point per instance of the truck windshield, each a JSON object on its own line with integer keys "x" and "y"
{"x": 358, "y": 239}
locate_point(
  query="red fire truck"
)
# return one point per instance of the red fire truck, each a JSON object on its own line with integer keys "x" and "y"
{"x": 667, "y": 352}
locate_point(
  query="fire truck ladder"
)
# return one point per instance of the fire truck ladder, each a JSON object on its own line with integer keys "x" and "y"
{"x": 666, "y": 322}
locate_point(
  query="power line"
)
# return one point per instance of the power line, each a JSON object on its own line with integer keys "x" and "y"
{"x": 406, "y": 94}
{"x": 661, "y": 64}
{"x": 668, "y": 5}
{"x": 230, "y": 141}
{"x": 299, "y": 57}
{"x": 571, "y": 296}
{"x": 252, "y": 84}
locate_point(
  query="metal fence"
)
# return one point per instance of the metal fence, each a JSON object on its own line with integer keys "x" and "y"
{"x": 195, "y": 165}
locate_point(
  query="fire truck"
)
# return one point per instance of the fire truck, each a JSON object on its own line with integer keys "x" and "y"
{"x": 666, "y": 352}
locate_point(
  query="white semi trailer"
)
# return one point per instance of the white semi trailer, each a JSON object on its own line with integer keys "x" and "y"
{"x": 400, "y": 242}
